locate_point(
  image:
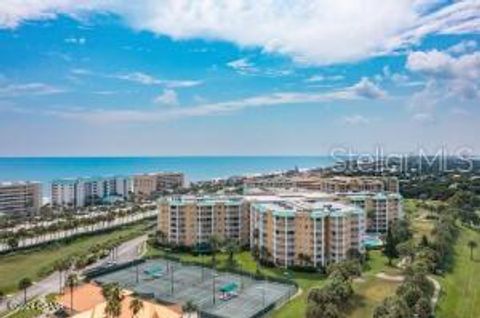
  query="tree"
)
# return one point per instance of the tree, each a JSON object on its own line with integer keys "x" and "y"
{"x": 61, "y": 266}
{"x": 407, "y": 249}
{"x": 354, "y": 254}
{"x": 472, "y": 245}
{"x": 113, "y": 295}
{"x": 72, "y": 281}
{"x": 392, "y": 306}
{"x": 215, "y": 244}
{"x": 24, "y": 284}
{"x": 189, "y": 308}
{"x": 423, "y": 308}
{"x": 390, "y": 250}
{"x": 331, "y": 311}
{"x": 424, "y": 242}
{"x": 231, "y": 248}
{"x": 136, "y": 305}
{"x": 12, "y": 242}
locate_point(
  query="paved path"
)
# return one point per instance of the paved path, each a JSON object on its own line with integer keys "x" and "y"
{"x": 126, "y": 252}
{"x": 436, "y": 292}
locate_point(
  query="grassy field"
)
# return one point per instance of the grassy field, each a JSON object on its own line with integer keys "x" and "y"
{"x": 371, "y": 290}
{"x": 460, "y": 288}
{"x": 368, "y": 295}
{"x": 26, "y": 313}
{"x": 32, "y": 263}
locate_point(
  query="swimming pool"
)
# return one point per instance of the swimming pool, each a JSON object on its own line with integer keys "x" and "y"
{"x": 371, "y": 241}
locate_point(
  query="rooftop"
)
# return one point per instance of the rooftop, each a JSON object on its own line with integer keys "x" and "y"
{"x": 88, "y": 302}
{"x": 17, "y": 183}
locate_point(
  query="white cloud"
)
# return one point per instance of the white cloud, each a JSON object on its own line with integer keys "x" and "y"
{"x": 310, "y": 31}
{"x": 242, "y": 66}
{"x": 146, "y": 79}
{"x": 462, "y": 47}
{"x": 168, "y": 97}
{"x": 74, "y": 40}
{"x": 134, "y": 115}
{"x": 453, "y": 76}
{"x": 368, "y": 89}
{"x": 11, "y": 90}
{"x": 140, "y": 78}
{"x": 423, "y": 118}
{"x": 324, "y": 78}
{"x": 356, "y": 120}
{"x": 81, "y": 71}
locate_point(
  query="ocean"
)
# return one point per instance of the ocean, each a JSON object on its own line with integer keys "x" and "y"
{"x": 195, "y": 168}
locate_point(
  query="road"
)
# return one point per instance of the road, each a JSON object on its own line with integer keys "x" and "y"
{"x": 127, "y": 251}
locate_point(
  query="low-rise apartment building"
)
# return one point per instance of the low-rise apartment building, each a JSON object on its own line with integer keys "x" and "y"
{"x": 270, "y": 182}
{"x": 358, "y": 184}
{"x": 20, "y": 198}
{"x": 191, "y": 221}
{"x": 145, "y": 185}
{"x": 89, "y": 191}
{"x": 337, "y": 184}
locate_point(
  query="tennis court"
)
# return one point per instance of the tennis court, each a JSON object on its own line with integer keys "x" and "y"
{"x": 218, "y": 294}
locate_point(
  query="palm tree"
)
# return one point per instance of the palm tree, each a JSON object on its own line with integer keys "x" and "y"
{"x": 72, "y": 281}
{"x": 189, "y": 308}
{"x": 61, "y": 266}
{"x": 113, "y": 296}
{"x": 135, "y": 306}
{"x": 23, "y": 284}
{"x": 472, "y": 245}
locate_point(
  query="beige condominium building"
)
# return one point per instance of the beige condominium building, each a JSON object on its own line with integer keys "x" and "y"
{"x": 145, "y": 185}
{"x": 191, "y": 221}
{"x": 302, "y": 232}
{"x": 380, "y": 208}
{"x": 338, "y": 184}
{"x": 358, "y": 184}
{"x": 20, "y": 198}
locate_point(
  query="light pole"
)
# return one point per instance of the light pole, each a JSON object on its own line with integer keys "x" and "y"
{"x": 213, "y": 289}
{"x": 171, "y": 281}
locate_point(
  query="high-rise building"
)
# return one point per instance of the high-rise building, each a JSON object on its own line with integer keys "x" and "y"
{"x": 89, "y": 191}
{"x": 191, "y": 221}
{"x": 381, "y": 208}
{"x": 287, "y": 228}
{"x": 20, "y": 198}
{"x": 298, "y": 232}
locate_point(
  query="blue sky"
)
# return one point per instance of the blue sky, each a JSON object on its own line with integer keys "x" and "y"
{"x": 239, "y": 78}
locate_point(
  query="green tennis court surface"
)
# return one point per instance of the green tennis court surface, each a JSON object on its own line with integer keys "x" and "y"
{"x": 236, "y": 296}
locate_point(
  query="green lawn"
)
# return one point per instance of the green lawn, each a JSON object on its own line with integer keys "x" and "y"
{"x": 369, "y": 294}
{"x": 370, "y": 290}
{"x": 461, "y": 288}
{"x": 34, "y": 263}
{"x": 26, "y": 313}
